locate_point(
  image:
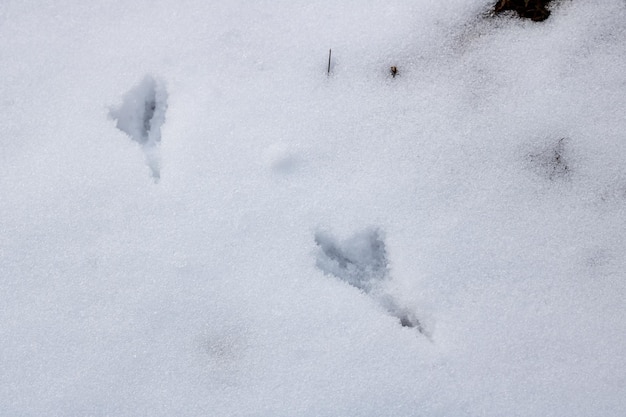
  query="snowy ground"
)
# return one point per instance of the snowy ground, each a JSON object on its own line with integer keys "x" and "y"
{"x": 196, "y": 220}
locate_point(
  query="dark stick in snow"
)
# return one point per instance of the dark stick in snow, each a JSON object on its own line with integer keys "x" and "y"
{"x": 329, "y": 53}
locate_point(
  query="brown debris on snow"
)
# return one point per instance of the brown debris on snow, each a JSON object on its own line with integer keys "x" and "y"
{"x": 532, "y": 9}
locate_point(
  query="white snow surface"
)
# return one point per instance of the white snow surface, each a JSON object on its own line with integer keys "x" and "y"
{"x": 482, "y": 191}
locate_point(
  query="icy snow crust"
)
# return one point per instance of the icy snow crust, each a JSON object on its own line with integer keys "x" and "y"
{"x": 485, "y": 185}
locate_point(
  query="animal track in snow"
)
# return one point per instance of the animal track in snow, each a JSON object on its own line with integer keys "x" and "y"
{"x": 141, "y": 115}
{"x": 361, "y": 261}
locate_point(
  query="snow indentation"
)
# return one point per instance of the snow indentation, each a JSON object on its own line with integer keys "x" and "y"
{"x": 552, "y": 162}
{"x": 280, "y": 158}
{"x": 141, "y": 115}
{"x": 361, "y": 261}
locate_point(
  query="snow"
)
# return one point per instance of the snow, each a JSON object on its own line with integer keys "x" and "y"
{"x": 198, "y": 220}
{"x": 141, "y": 116}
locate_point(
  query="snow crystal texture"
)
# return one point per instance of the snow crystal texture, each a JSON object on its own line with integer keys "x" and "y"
{"x": 199, "y": 219}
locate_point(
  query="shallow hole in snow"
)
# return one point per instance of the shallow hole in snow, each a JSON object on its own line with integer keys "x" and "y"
{"x": 361, "y": 261}
{"x": 141, "y": 115}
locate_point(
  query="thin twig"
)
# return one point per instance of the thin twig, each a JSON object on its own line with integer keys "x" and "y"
{"x": 329, "y": 54}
